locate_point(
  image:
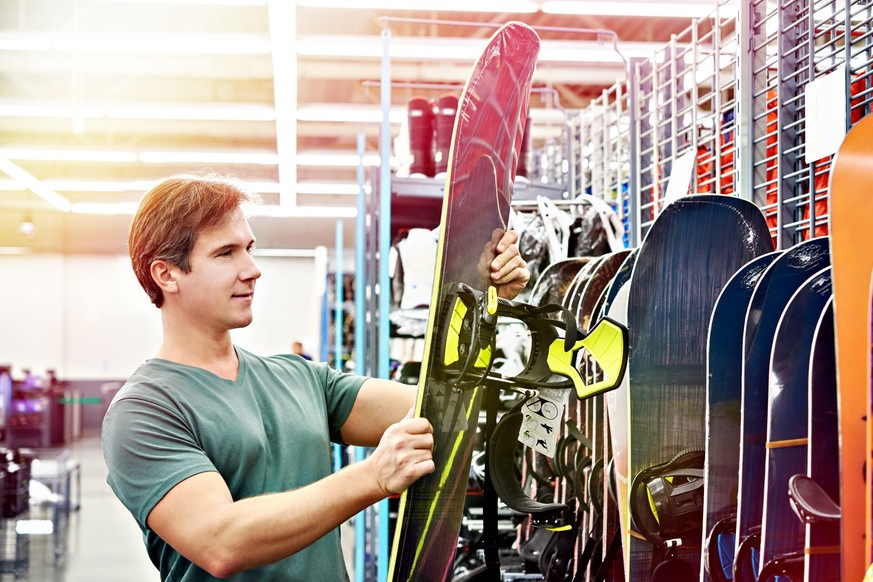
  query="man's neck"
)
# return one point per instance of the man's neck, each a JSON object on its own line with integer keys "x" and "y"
{"x": 192, "y": 347}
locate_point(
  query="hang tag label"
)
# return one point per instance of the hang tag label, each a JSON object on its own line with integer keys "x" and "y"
{"x": 540, "y": 424}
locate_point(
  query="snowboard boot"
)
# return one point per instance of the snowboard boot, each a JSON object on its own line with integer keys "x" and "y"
{"x": 420, "y": 114}
{"x": 446, "y": 110}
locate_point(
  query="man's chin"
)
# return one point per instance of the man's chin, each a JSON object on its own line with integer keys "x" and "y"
{"x": 241, "y": 323}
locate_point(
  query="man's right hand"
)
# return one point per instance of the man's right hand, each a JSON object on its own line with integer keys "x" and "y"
{"x": 404, "y": 454}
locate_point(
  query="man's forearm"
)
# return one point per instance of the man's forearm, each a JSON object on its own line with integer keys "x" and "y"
{"x": 260, "y": 530}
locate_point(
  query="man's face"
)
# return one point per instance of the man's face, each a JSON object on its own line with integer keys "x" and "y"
{"x": 219, "y": 290}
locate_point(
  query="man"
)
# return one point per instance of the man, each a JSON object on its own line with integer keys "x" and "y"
{"x": 222, "y": 456}
{"x": 297, "y": 348}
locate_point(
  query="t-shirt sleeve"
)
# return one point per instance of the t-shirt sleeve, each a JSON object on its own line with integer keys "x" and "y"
{"x": 340, "y": 391}
{"x": 148, "y": 449}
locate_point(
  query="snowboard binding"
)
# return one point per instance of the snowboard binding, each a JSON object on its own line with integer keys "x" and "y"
{"x": 666, "y": 501}
{"x": 503, "y": 444}
{"x": 468, "y": 346}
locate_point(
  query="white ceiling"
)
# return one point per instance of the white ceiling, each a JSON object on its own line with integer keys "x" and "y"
{"x": 106, "y": 90}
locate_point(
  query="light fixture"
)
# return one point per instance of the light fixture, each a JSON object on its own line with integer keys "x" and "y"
{"x": 106, "y": 208}
{"x": 503, "y": 6}
{"x": 198, "y": 2}
{"x": 53, "y": 155}
{"x": 256, "y": 158}
{"x": 336, "y": 112}
{"x": 194, "y": 111}
{"x": 337, "y": 159}
{"x": 34, "y": 185}
{"x": 282, "y": 19}
{"x": 268, "y": 210}
{"x": 164, "y": 43}
{"x": 177, "y": 111}
{"x": 325, "y": 188}
{"x": 642, "y": 9}
{"x": 27, "y": 227}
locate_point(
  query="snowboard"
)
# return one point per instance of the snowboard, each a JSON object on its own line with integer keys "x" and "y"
{"x": 589, "y": 312}
{"x": 588, "y": 291}
{"x": 774, "y": 289}
{"x": 782, "y": 533}
{"x": 596, "y": 285}
{"x": 554, "y": 282}
{"x": 850, "y": 211}
{"x": 690, "y": 252}
{"x": 724, "y": 389}
{"x": 483, "y": 159}
{"x": 615, "y": 307}
{"x": 822, "y": 541}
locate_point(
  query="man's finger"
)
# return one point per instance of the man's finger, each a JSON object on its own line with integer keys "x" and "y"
{"x": 509, "y": 238}
{"x": 508, "y": 271}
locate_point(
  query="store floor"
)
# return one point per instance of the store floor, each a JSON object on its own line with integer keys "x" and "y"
{"x": 103, "y": 543}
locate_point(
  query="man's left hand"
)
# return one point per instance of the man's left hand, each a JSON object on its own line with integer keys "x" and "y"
{"x": 508, "y": 270}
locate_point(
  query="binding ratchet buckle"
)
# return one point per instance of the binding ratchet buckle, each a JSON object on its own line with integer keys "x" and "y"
{"x": 468, "y": 344}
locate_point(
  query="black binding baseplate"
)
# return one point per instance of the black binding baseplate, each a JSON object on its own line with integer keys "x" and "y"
{"x": 467, "y": 345}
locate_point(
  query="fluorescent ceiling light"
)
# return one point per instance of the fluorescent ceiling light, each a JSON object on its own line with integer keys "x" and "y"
{"x": 178, "y": 111}
{"x": 61, "y": 110}
{"x": 15, "y": 250}
{"x": 34, "y": 185}
{"x": 257, "y": 158}
{"x": 330, "y": 112}
{"x": 68, "y": 155}
{"x": 282, "y": 19}
{"x": 18, "y": 41}
{"x": 101, "y": 185}
{"x": 333, "y": 159}
{"x": 129, "y": 209}
{"x": 344, "y": 188}
{"x": 200, "y": 2}
{"x": 646, "y": 9}
{"x": 149, "y": 157}
{"x": 11, "y": 186}
{"x": 145, "y": 43}
{"x": 521, "y": 6}
{"x": 109, "y": 208}
{"x": 194, "y": 111}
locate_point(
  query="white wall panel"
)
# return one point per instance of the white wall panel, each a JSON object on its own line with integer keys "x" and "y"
{"x": 87, "y": 317}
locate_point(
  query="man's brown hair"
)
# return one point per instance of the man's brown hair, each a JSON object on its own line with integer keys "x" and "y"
{"x": 170, "y": 217}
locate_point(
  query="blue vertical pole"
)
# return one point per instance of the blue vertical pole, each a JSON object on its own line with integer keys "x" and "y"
{"x": 384, "y": 247}
{"x": 338, "y": 325}
{"x": 360, "y": 322}
{"x": 324, "y": 348}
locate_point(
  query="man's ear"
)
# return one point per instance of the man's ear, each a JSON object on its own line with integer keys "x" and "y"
{"x": 164, "y": 274}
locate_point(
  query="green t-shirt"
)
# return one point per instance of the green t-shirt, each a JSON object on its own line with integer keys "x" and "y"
{"x": 269, "y": 431}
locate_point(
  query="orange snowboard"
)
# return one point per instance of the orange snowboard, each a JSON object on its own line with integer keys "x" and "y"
{"x": 851, "y": 197}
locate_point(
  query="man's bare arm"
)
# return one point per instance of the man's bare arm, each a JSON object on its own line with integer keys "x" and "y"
{"x": 380, "y": 403}
{"x": 199, "y": 518}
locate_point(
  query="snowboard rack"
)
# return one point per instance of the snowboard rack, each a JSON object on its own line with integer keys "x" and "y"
{"x": 468, "y": 344}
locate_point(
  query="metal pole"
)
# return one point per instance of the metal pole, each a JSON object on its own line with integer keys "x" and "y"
{"x": 360, "y": 322}
{"x": 338, "y": 326}
{"x": 384, "y": 281}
